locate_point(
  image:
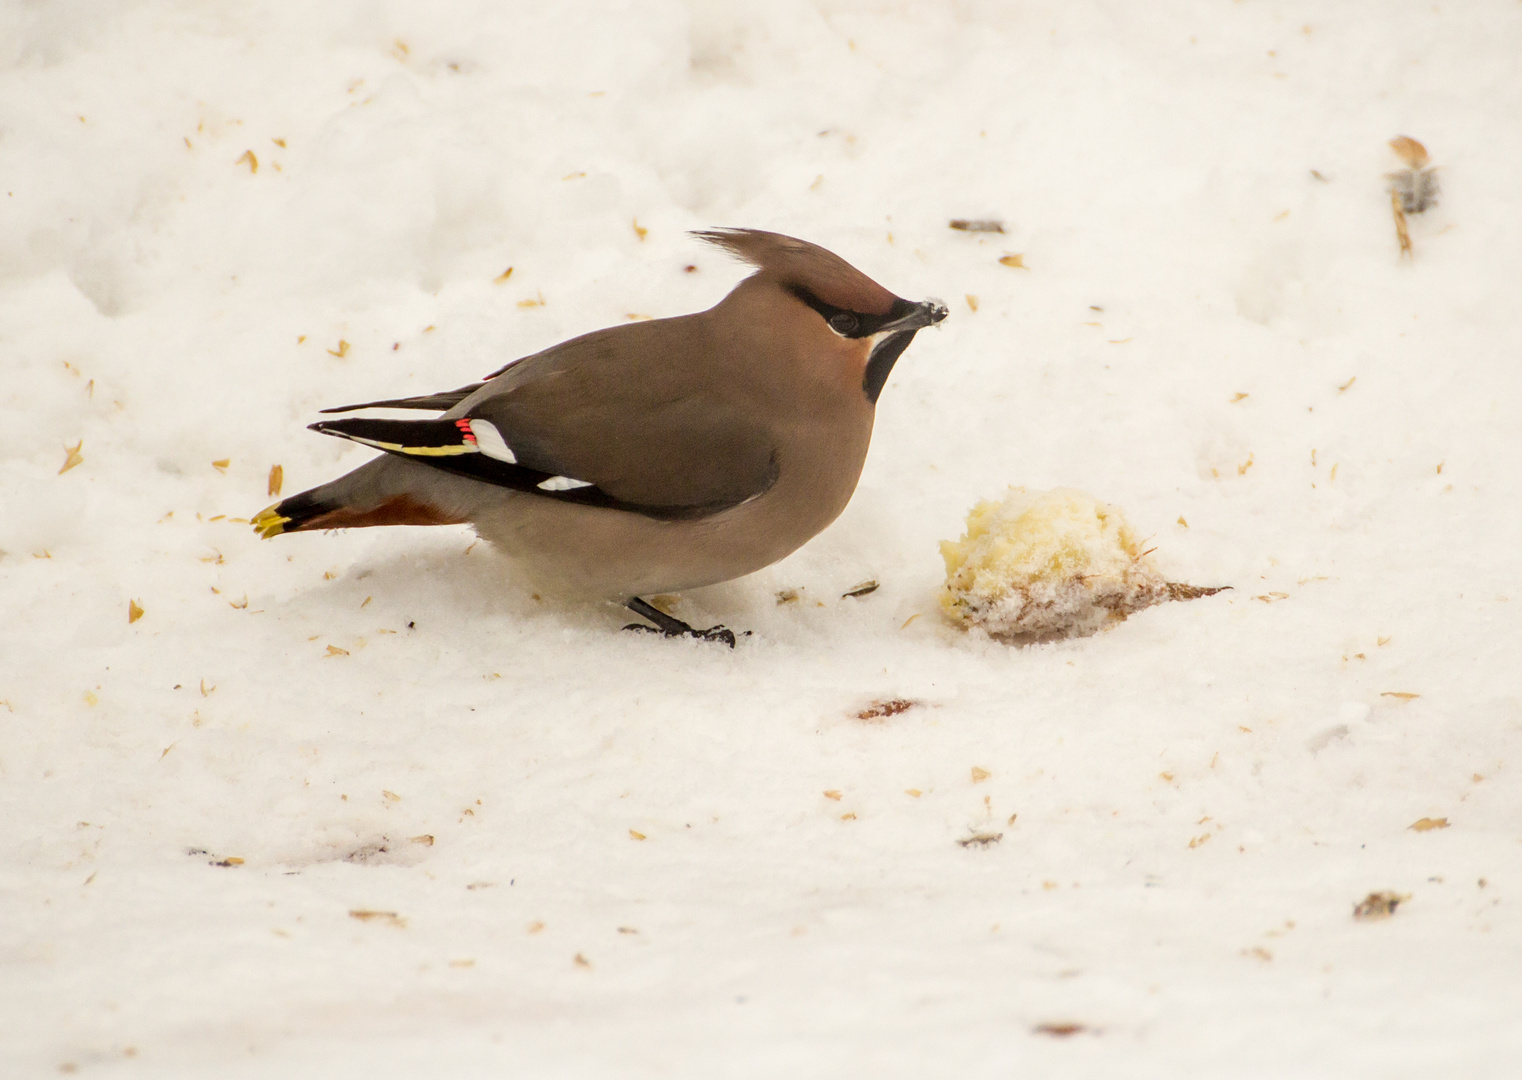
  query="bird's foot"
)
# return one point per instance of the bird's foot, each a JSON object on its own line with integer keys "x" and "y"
{"x": 674, "y": 627}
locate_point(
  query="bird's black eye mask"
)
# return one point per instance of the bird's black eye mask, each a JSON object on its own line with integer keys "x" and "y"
{"x": 852, "y": 324}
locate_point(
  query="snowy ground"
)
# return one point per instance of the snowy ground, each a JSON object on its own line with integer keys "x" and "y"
{"x": 1199, "y": 797}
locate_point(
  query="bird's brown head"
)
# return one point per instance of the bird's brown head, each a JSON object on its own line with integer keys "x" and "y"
{"x": 874, "y": 325}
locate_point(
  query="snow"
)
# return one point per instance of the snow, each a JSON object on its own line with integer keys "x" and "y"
{"x": 1189, "y": 805}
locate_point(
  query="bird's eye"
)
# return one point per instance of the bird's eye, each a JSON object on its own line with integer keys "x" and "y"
{"x": 844, "y": 323}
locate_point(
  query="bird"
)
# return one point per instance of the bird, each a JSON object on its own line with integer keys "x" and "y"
{"x": 651, "y": 457}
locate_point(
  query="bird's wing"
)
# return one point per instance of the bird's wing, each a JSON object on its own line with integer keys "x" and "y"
{"x": 445, "y": 399}
{"x": 611, "y": 419}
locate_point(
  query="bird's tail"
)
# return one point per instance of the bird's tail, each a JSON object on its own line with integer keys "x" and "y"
{"x": 387, "y": 491}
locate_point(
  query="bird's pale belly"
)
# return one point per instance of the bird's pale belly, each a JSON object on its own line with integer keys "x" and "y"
{"x": 591, "y": 552}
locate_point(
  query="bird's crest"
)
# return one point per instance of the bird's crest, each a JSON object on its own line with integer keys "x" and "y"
{"x": 799, "y": 264}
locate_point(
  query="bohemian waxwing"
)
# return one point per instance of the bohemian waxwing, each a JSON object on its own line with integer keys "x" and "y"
{"x": 651, "y": 457}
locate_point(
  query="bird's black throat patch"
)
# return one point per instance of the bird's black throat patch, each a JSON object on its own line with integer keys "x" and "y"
{"x": 880, "y": 363}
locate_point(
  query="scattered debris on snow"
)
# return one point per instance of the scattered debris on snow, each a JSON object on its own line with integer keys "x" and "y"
{"x": 1060, "y": 1029}
{"x": 1413, "y": 190}
{"x": 977, "y": 225}
{"x": 1378, "y": 905}
{"x": 882, "y": 709}
{"x": 980, "y": 839}
{"x": 389, "y": 918}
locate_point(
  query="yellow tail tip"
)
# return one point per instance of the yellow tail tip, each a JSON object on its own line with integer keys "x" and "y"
{"x": 268, "y": 523}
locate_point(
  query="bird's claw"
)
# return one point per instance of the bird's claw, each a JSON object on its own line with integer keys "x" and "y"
{"x": 713, "y": 633}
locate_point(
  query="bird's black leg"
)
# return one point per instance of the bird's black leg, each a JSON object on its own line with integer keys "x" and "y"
{"x": 672, "y": 627}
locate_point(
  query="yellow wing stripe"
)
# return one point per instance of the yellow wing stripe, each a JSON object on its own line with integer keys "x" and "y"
{"x": 434, "y": 451}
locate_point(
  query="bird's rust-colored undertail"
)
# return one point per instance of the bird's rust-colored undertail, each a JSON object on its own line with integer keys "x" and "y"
{"x": 398, "y": 510}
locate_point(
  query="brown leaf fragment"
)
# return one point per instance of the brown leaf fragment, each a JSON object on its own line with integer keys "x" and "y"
{"x": 627, "y": 930}
{"x": 972, "y": 302}
{"x": 864, "y": 588}
{"x": 1238, "y": 396}
{"x": 1378, "y": 905}
{"x": 789, "y": 596}
{"x": 277, "y": 479}
{"x": 536, "y": 301}
{"x": 72, "y": 456}
{"x": 231, "y": 860}
{"x": 979, "y": 775}
{"x": 1403, "y": 695}
{"x": 832, "y": 794}
{"x": 501, "y": 279}
{"x": 390, "y": 796}
{"x": 134, "y": 611}
{"x": 389, "y": 918}
{"x": 987, "y": 225}
{"x": 535, "y": 927}
{"x": 342, "y": 350}
{"x": 980, "y": 839}
{"x": 884, "y": 708}
{"x": 426, "y": 839}
{"x": 639, "y": 230}
{"x": 913, "y": 792}
{"x": 582, "y": 961}
{"x": 1258, "y": 952}
{"x": 1427, "y": 824}
{"x": 221, "y": 465}
{"x": 1060, "y": 1029}
{"x": 1342, "y": 389}
{"x": 1016, "y": 262}
{"x": 334, "y": 650}
{"x": 635, "y": 834}
{"x": 249, "y": 159}
{"x": 279, "y": 142}
{"x": 1413, "y": 153}
{"x": 239, "y": 604}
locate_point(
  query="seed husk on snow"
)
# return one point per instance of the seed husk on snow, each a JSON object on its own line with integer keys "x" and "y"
{"x": 985, "y": 225}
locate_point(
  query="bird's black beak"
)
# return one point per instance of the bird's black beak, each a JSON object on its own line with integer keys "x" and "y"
{"x": 916, "y": 317}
